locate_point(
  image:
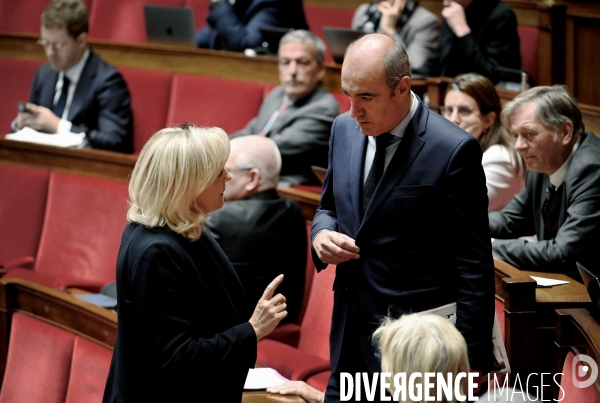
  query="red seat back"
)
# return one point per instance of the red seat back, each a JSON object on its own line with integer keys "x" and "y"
{"x": 342, "y": 100}
{"x": 89, "y": 370}
{"x": 319, "y": 17}
{"x": 23, "y": 15}
{"x": 22, "y": 203}
{"x": 85, "y": 218}
{"x": 16, "y": 76}
{"x": 208, "y": 101}
{"x": 308, "y": 278}
{"x": 314, "y": 330}
{"x": 570, "y": 393}
{"x": 38, "y": 364}
{"x": 529, "y": 37}
{"x": 122, "y": 21}
{"x": 150, "y": 91}
{"x": 201, "y": 9}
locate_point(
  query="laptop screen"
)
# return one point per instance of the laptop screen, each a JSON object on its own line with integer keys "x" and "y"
{"x": 170, "y": 25}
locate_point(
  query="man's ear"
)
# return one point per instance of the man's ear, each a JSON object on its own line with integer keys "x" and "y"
{"x": 253, "y": 184}
{"x": 81, "y": 40}
{"x": 403, "y": 87}
{"x": 566, "y": 130}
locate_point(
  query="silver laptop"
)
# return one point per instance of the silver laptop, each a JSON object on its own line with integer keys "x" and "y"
{"x": 338, "y": 40}
{"x": 170, "y": 25}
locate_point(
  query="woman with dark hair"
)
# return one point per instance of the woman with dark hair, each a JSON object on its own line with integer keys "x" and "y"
{"x": 413, "y": 26}
{"x": 475, "y": 36}
{"x": 473, "y": 104}
{"x": 185, "y": 330}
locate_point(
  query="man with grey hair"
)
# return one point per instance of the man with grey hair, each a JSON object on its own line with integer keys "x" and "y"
{"x": 403, "y": 214}
{"x": 263, "y": 235}
{"x": 561, "y": 200}
{"x": 298, "y": 114}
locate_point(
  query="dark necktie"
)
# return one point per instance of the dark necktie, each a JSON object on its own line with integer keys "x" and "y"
{"x": 551, "y": 210}
{"x": 59, "y": 108}
{"x": 376, "y": 171}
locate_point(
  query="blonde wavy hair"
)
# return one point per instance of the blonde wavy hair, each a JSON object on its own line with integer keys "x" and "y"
{"x": 175, "y": 166}
{"x": 420, "y": 342}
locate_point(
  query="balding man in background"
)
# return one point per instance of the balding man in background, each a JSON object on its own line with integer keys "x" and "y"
{"x": 263, "y": 235}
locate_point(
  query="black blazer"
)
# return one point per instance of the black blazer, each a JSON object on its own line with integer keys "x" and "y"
{"x": 183, "y": 334}
{"x": 493, "y": 41}
{"x": 264, "y": 236}
{"x": 424, "y": 240}
{"x": 101, "y": 106}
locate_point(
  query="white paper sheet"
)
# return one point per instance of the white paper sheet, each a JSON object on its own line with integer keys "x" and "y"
{"x": 263, "y": 378}
{"x": 29, "y": 135}
{"x": 548, "y": 282}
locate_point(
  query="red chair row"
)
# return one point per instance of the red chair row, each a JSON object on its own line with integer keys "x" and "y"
{"x": 60, "y": 230}
{"x": 159, "y": 99}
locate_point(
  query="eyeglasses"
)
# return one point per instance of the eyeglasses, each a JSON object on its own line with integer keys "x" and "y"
{"x": 54, "y": 46}
{"x": 463, "y": 111}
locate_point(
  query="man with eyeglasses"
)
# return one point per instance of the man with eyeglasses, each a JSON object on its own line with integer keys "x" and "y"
{"x": 76, "y": 91}
{"x": 263, "y": 235}
{"x": 298, "y": 114}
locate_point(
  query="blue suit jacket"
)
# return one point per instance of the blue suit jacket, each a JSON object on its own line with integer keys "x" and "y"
{"x": 237, "y": 27}
{"x": 424, "y": 240}
{"x": 101, "y": 106}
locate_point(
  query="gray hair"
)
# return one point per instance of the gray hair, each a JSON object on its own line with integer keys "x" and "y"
{"x": 396, "y": 62}
{"x": 303, "y": 36}
{"x": 261, "y": 153}
{"x": 554, "y": 106}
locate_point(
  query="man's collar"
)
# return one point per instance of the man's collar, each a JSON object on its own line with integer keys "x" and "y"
{"x": 400, "y": 128}
{"x": 558, "y": 177}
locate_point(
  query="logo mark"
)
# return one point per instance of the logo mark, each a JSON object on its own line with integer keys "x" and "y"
{"x": 588, "y": 367}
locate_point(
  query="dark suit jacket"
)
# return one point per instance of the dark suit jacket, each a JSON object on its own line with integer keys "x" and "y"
{"x": 237, "y": 27}
{"x": 493, "y": 41}
{"x": 264, "y": 236}
{"x": 183, "y": 334}
{"x": 301, "y": 132}
{"x": 424, "y": 237}
{"x": 579, "y": 219}
{"x": 101, "y": 106}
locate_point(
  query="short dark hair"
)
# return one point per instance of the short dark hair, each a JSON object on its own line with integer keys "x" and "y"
{"x": 70, "y": 14}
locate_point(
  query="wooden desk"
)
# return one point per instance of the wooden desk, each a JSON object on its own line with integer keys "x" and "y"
{"x": 529, "y": 316}
{"x": 264, "y": 397}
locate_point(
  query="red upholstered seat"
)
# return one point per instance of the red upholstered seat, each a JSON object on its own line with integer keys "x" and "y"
{"x": 150, "y": 91}
{"x": 22, "y": 15}
{"x": 122, "y": 21}
{"x": 84, "y": 221}
{"x": 320, "y": 380}
{"x": 319, "y": 17}
{"x": 343, "y": 101}
{"x": 529, "y": 37}
{"x": 569, "y": 392}
{"x": 208, "y": 101}
{"x": 89, "y": 370}
{"x": 499, "y": 306}
{"x": 201, "y": 9}
{"x": 38, "y": 364}
{"x": 16, "y": 76}
{"x": 22, "y": 203}
{"x": 312, "y": 355}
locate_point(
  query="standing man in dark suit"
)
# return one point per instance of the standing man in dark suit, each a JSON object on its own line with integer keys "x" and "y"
{"x": 561, "y": 200}
{"x": 263, "y": 234}
{"x": 76, "y": 91}
{"x": 298, "y": 114}
{"x": 235, "y": 24}
{"x": 403, "y": 214}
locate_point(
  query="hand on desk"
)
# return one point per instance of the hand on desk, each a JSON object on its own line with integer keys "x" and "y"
{"x": 39, "y": 118}
{"x": 269, "y": 311}
{"x": 335, "y": 248}
{"x": 300, "y": 388}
